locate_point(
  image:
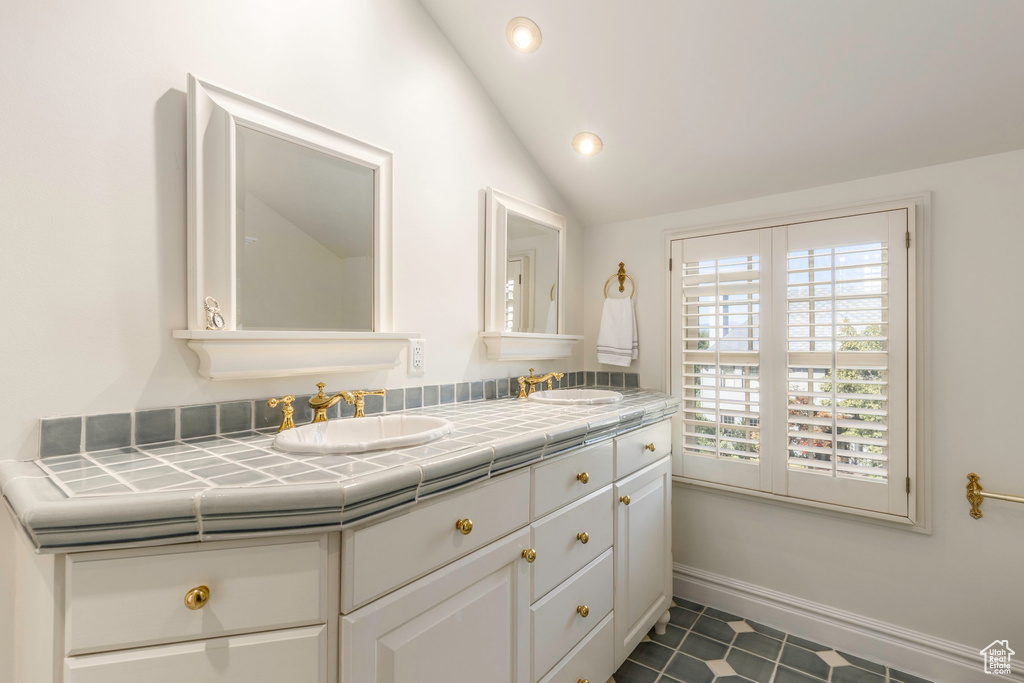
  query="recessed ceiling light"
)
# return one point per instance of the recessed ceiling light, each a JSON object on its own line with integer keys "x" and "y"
{"x": 523, "y": 35}
{"x": 587, "y": 144}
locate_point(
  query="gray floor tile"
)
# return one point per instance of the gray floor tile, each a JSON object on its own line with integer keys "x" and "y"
{"x": 767, "y": 630}
{"x": 902, "y": 677}
{"x": 703, "y": 648}
{"x": 713, "y": 628}
{"x": 851, "y": 674}
{"x": 683, "y": 618}
{"x": 651, "y": 654}
{"x": 804, "y": 660}
{"x": 673, "y": 636}
{"x": 631, "y": 672}
{"x": 808, "y": 644}
{"x": 719, "y": 614}
{"x": 688, "y": 604}
{"x": 786, "y": 675}
{"x": 758, "y": 644}
{"x": 683, "y": 667}
{"x": 864, "y": 664}
{"x": 753, "y": 667}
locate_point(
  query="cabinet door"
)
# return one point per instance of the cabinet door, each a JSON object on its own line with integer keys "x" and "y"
{"x": 464, "y": 623}
{"x": 643, "y": 554}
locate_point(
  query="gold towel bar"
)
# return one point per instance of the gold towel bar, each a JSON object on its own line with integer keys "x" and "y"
{"x": 623, "y": 276}
{"x": 975, "y": 494}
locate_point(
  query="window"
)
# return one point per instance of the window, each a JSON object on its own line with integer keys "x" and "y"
{"x": 791, "y": 354}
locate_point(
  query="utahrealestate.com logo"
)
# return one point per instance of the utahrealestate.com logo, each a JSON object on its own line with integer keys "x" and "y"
{"x": 997, "y": 657}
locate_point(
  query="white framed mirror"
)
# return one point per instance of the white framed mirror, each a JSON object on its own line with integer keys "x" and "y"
{"x": 289, "y": 227}
{"x": 524, "y": 277}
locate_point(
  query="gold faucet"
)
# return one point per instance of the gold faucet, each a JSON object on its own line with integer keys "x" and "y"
{"x": 322, "y": 402}
{"x": 288, "y": 412}
{"x": 533, "y": 381}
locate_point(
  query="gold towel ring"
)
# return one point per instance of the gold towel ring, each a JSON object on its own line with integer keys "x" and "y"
{"x": 622, "y": 275}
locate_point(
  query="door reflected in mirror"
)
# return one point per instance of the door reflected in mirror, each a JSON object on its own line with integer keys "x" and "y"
{"x": 303, "y": 237}
{"x": 531, "y": 277}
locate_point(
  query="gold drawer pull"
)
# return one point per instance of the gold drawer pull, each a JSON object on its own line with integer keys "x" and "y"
{"x": 583, "y": 680}
{"x": 583, "y": 477}
{"x": 197, "y": 597}
{"x": 583, "y": 611}
{"x": 530, "y": 555}
{"x": 625, "y": 500}
{"x": 464, "y": 525}
{"x": 583, "y": 537}
{"x": 650, "y": 447}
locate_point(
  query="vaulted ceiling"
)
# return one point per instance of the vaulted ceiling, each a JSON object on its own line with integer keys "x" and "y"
{"x": 701, "y": 102}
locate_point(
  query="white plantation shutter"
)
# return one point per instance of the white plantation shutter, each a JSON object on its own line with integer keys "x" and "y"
{"x": 719, "y": 345}
{"x": 845, "y": 321}
{"x": 790, "y": 352}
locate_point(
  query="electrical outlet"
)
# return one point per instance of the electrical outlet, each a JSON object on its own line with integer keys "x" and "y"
{"x": 416, "y": 355}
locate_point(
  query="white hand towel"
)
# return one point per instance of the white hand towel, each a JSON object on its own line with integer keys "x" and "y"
{"x": 617, "y": 339}
{"x": 552, "y": 325}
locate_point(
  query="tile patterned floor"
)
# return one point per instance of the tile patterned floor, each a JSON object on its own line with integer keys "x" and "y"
{"x": 705, "y": 645}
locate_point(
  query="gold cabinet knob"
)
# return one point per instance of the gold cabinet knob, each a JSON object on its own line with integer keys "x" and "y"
{"x": 583, "y": 680}
{"x": 624, "y": 500}
{"x": 650, "y": 447}
{"x": 583, "y": 477}
{"x": 197, "y": 597}
{"x": 583, "y": 611}
{"x": 464, "y": 525}
{"x": 530, "y": 555}
{"x": 583, "y": 537}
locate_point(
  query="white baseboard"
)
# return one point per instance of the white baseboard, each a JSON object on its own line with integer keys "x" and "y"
{"x": 939, "y": 660}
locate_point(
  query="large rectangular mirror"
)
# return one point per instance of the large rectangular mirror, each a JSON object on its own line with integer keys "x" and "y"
{"x": 525, "y": 275}
{"x": 289, "y": 249}
{"x": 303, "y": 237}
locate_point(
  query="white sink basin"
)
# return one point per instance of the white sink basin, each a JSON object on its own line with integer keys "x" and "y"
{"x": 363, "y": 434}
{"x": 576, "y": 397}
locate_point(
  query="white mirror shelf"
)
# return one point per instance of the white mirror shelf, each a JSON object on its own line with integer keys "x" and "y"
{"x": 524, "y": 316}
{"x": 289, "y": 233}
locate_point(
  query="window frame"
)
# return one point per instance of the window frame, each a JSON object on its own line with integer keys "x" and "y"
{"x": 918, "y": 207}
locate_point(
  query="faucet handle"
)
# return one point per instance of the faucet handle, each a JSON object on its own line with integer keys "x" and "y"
{"x": 359, "y": 395}
{"x": 288, "y": 412}
{"x": 320, "y": 386}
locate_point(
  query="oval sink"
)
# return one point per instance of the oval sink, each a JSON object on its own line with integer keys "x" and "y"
{"x": 363, "y": 434}
{"x": 576, "y": 397}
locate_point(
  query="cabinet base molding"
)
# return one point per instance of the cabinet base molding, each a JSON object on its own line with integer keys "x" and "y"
{"x": 883, "y": 642}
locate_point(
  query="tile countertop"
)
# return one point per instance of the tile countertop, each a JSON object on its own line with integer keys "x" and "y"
{"x": 235, "y": 485}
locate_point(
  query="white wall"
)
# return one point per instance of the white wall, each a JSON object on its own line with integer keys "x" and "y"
{"x": 961, "y": 583}
{"x": 93, "y": 212}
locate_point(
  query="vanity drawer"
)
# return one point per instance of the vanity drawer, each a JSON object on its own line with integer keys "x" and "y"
{"x": 378, "y": 558}
{"x": 592, "y": 660}
{"x": 555, "y": 620}
{"x": 134, "y": 598}
{"x": 559, "y": 481}
{"x": 296, "y": 655}
{"x": 632, "y": 453}
{"x": 560, "y": 550}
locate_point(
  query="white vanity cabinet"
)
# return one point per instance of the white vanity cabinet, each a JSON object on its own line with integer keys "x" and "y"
{"x": 551, "y": 573}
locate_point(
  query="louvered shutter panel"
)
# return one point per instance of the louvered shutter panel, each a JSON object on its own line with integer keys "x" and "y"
{"x": 845, "y": 323}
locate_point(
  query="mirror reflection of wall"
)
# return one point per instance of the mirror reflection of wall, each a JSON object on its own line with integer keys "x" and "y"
{"x": 531, "y": 274}
{"x": 304, "y": 237}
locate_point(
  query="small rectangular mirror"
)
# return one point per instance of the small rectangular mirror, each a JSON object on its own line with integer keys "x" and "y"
{"x": 531, "y": 276}
{"x": 304, "y": 224}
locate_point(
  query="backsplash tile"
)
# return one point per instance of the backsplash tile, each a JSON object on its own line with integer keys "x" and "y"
{"x": 235, "y": 417}
{"x": 414, "y": 397}
{"x": 108, "y": 431}
{"x": 154, "y": 426}
{"x": 197, "y": 421}
{"x": 394, "y": 400}
{"x": 60, "y": 436}
{"x": 68, "y": 435}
